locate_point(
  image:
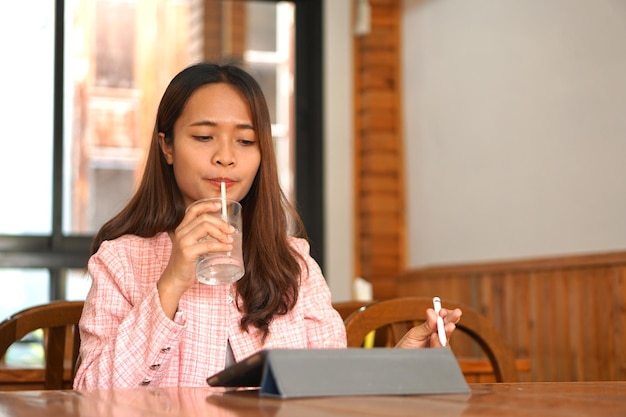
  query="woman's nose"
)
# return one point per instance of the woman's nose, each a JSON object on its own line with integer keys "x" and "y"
{"x": 224, "y": 155}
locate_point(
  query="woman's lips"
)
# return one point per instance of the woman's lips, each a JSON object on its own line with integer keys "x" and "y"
{"x": 217, "y": 182}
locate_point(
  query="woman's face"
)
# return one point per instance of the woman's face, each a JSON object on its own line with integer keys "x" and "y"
{"x": 214, "y": 142}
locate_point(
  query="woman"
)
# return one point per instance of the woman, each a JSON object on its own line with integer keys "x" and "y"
{"x": 147, "y": 320}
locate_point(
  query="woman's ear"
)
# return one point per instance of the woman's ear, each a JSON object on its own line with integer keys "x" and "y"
{"x": 166, "y": 148}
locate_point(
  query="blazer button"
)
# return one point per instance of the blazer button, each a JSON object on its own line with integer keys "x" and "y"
{"x": 145, "y": 382}
{"x": 165, "y": 349}
{"x": 155, "y": 366}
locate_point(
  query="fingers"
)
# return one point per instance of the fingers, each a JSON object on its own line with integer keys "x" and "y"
{"x": 451, "y": 316}
{"x": 425, "y": 335}
{"x": 200, "y": 223}
{"x": 450, "y": 319}
{"x": 200, "y": 232}
{"x": 416, "y": 337}
{"x": 207, "y": 227}
{"x": 210, "y": 206}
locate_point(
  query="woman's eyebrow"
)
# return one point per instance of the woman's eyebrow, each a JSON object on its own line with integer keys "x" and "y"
{"x": 204, "y": 123}
{"x": 212, "y": 123}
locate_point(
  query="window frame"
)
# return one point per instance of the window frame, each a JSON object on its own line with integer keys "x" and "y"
{"x": 58, "y": 252}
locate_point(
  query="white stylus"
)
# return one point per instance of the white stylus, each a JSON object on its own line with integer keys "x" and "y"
{"x": 440, "y": 330}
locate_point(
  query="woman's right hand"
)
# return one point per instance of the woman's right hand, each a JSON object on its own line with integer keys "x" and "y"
{"x": 188, "y": 244}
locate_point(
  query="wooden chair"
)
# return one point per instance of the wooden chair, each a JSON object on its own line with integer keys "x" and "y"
{"x": 345, "y": 308}
{"x": 392, "y": 318}
{"x": 56, "y": 319}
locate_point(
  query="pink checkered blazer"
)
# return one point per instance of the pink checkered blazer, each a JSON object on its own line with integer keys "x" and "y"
{"x": 127, "y": 341}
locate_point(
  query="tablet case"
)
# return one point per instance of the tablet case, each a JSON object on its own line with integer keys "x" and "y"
{"x": 292, "y": 373}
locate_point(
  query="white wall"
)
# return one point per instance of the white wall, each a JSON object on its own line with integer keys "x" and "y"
{"x": 338, "y": 148}
{"x": 515, "y": 129}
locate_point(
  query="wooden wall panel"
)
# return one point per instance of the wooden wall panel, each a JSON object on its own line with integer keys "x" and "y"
{"x": 380, "y": 248}
{"x": 212, "y": 36}
{"x": 566, "y": 315}
{"x": 224, "y": 36}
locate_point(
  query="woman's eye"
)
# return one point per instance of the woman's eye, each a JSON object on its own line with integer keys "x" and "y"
{"x": 246, "y": 142}
{"x": 203, "y": 138}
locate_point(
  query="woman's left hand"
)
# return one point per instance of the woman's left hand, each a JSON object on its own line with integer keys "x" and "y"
{"x": 425, "y": 335}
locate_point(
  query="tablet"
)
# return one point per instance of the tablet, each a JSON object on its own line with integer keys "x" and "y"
{"x": 247, "y": 373}
{"x": 292, "y": 373}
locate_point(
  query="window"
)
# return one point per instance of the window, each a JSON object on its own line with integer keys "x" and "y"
{"x": 27, "y": 117}
{"x": 114, "y": 46}
{"x": 118, "y": 63}
{"x": 80, "y": 106}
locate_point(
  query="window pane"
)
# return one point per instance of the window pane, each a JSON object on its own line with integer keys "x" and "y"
{"x": 22, "y": 288}
{"x": 27, "y": 48}
{"x": 120, "y": 56}
{"x": 26, "y": 353}
{"x": 262, "y": 28}
{"x": 77, "y": 284}
{"x": 265, "y": 74}
{"x": 112, "y": 189}
{"x": 115, "y": 48}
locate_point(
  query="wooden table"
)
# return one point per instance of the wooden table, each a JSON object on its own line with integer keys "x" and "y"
{"x": 520, "y": 399}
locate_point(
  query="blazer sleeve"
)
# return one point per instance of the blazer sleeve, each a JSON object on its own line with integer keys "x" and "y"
{"x": 126, "y": 338}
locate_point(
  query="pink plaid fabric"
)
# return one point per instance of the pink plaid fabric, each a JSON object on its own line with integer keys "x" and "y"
{"x": 127, "y": 341}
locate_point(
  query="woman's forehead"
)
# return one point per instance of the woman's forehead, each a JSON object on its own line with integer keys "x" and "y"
{"x": 218, "y": 103}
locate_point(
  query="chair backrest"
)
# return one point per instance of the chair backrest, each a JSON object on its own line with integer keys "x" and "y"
{"x": 56, "y": 318}
{"x": 345, "y": 308}
{"x": 395, "y": 316}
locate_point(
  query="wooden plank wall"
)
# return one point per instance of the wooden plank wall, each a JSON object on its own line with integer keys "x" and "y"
{"x": 566, "y": 315}
{"x": 224, "y": 37}
{"x": 380, "y": 241}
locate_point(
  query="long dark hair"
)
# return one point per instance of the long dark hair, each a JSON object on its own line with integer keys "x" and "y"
{"x": 270, "y": 284}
